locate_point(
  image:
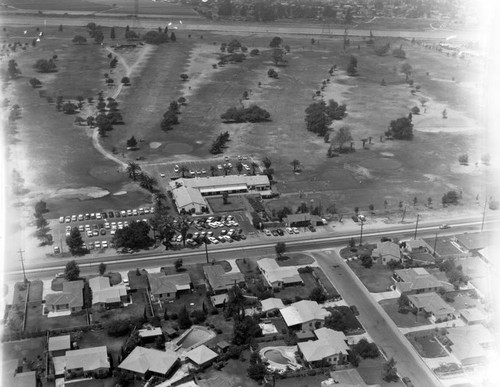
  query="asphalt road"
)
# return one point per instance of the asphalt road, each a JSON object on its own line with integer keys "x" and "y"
{"x": 240, "y": 27}
{"x": 375, "y": 320}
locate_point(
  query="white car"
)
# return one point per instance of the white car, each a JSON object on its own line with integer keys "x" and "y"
{"x": 74, "y": 218}
{"x": 213, "y": 240}
{"x": 97, "y": 245}
{"x": 112, "y": 232}
{"x": 120, "y": 225}
{"x": 89, "y": 233}
{"x": 107, "y": 225}
{"x": 80, "y": 217}
{"x": 114, "y": 226}
{"x": 87, "y": 227}
{"x": 125, "y": 224}
{"x": 295, "y": 230}
{"x": 68, "y": 219}
{"x": 61, "y": 219}
{"x": 162, "y": 175}
{"x": 68, "y": 228}
{"x": 176, "y": 169}
{"x": 289, "y": 230}
{"x": 98, "y": 216}
{"x": 68, "y": 233}
{"x": 123, "y": 213}
{"x": 179, "y": 238}
{"x": 104, "y": 244}
{"x": 146, "y": 210}
{"x": 135, "y": 213}
{"x": 81, "y": 228}
{"x": 129, "y": 212}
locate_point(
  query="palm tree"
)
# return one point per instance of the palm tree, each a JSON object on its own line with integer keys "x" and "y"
{"x": 227, "y": 169}
{"x": 295, "y": 163}
{"x": 239, "y": 167}
{"x": 213, "y": 170}
{"x": 133, "y": 169}
{"x": 183, "y": 170}
{"x": 157, "y": 199}
{"x": 147, "y": 181}
{"x": 254, "y": 166}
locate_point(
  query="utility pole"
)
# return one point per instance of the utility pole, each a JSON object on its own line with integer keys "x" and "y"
{"x": 484, "y": 212}
{"x": 361, "y": 235}
{"x": 206, "y": 248}
{"x": 435, "y": 243}
{"x": 416, "y": 227}
{"x": 22, "y": 264}
{"x": 404, "y": 213}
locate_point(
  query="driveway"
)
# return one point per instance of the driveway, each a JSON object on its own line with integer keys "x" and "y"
{"x": 374, "y": 319}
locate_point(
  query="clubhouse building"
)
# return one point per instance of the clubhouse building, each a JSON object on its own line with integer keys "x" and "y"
{"x": 190, "y": 194}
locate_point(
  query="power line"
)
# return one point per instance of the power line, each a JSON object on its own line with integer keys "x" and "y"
{"x": 22, "y": 264}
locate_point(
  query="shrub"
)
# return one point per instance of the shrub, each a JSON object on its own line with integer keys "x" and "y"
{"x": 119, "y": 328}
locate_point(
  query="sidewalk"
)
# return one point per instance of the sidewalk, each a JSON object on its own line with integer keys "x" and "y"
{"x": 446, "y": 324}
{"x": 385, "y": 295}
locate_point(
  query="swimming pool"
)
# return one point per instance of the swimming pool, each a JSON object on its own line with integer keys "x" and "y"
{"x": 276, "y": 356}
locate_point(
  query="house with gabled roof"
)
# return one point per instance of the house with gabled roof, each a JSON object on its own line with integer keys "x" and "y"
{"x": 386, "y": 252}
{"x": 167, "y": 287}
{"x": 138, "y": 280}
{"x": 279, "y": 276}
{"x": 146, "y": 362}
{"x": 433, "y": 305}
{"x": 220, "y": 281}
{"x": 330, "y": 347}
{"x": 92, "y": 362}
{"x": 304, "y": 315}
{"x": 106, "y": 296}
{"x": 474, "y": 242}
{"x": 70, "y": 299}
{"x": 415, "y": 281}
{"x": 201, "y": 356}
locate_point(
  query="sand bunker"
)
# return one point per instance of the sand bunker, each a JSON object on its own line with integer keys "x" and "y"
{"x": 120, "y": 193}
{"x": 81, "y": 193}
{"x": 155, "y": 145}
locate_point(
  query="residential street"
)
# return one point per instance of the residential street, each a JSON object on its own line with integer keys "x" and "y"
{"x": 378, "y": 324}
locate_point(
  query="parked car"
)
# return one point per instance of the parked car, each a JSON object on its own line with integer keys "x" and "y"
{"x": 311, "y": 228}
{"x": 289, "y": 230}
{"x": 407, "y": 381}
{"x": 104, "y": 244}
{"x": 104, "y": 215}
{"x": 74, "y": 218}
{"x": 98, "y": 216}
{"x": 111, "y": 214}
{"x": 80, "y": 217}
{"x": 176, "y": 169}
{"x": 267, "y": 232}
{"x": 87, "y": 216}
{"x": 275, "y": 233}
{"x": 135, "y": 212}
{"x": 57, "y": 250}
{"x": 95, "y": 233}
{"x": 444, "y": 226}
{"x": 81, "y": 228}
{"x": 280, "y": 232}
{"x": 295, "y": 230}
{"x": 89, "y": 233}
{"x": 117, "y": 214}
{"x": 67, "y": 219}
{"x": 97, "y": 244}
{"x": 213, "y": 240}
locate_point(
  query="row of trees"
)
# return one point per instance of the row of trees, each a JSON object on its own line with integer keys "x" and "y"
{"x": 42, "y": 232}
{"x": 252, "y": 113}
{"x": 170, "y": 116}
{"x": 219, "y": 143}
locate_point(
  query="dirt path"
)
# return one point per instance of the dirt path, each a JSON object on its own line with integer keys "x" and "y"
{"x": 116, "y": 93}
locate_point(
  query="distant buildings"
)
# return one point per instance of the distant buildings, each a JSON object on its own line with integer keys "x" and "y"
{"x": 304, "y": 315}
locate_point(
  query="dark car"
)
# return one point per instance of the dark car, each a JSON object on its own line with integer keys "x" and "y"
{"x": 111, "y": 214}
{"x": 275, "y": 233}
{"x": 355, "y": 218}
{"x": 407, "y": 381}
{"x": 117, "y": 214}
{"x": 103, "y": 231}
{"x": 311, "y": 228}
{"x": 104, "y": 215}
{"x": 280, "y": 232}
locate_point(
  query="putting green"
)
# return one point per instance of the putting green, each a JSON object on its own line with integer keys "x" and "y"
{"x": 379, "y": 164}
{"x": 177, "y": 148}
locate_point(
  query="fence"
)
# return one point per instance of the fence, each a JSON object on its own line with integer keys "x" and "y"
{"x": 14, "y": 336}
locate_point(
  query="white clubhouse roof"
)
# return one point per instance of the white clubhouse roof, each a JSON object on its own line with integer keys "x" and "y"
{"x": 303, "y": 311}
{"x": 214, "y": 182}
{"x": 329, "y": 343}
{"x": 185, "y": 196}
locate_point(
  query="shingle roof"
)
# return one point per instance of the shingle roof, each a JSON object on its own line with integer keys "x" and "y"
{"x": 185, "y": 196}
{"x": 88, "y": 358}
{"x": 431, "y": 302}
{"x": 201, "y": 355}
{"x": 275, "y": 273}
{"x": 329, "y": 343}
{"x": 387, "y": 250}
{"x": 271, "y": 304}
{"x": 416, "y": 278}
{"x": 103, "y": 292}
{"x": 57, "y": 343}
{"x": 473, "y": 314}
{"x": 474, "y": 241}
{"x": 161, "y": 283}
{"x": 72, "y": 295}
{"x": 219, "y": 279}
{"x": 303, "y": 311}
{"x": 143, "y": 359}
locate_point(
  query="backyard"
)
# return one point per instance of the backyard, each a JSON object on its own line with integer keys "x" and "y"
{"x": 294, "y": 293}
{"x": 377, "y": 278}
{"x": 427, "y": 344}
{"x": 37, "y": 321}
{"x": 402, "y": 320}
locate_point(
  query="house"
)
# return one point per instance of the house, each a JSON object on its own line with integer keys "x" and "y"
{"x": 149, "y": 334}
{"x": 277, "y": 276}
{"x": 12, "y": 376}
{"x": 165, "y": 287}
{"x": 106, "y": 296}
{"x": 147, "y": 362}
{"x": 201, "y": 356}
{"x": 298, "y": 220}
{"x": 475, "y": 241}
{"x": 477, "y": 333}
{"x": 58, "y": 345}
{"x": 386, "y": 252}
{"x": 70, "y": 299}
{"x": 415, "y": 281}
{"x": 446, "y": 247}
{"x": 138, "y": 280}
{"x": 222, "y": 346}
{"x": 331, "y": 348}
{"x": 467, "y": 352}
{"x": 92, "y": 362}
{"x": 220, "y": 281}
{"x": 272, "y": 304}
{"x": 304, "y": 315}
{"x": 472, "y": 316}
{"x": 433, "y": 305}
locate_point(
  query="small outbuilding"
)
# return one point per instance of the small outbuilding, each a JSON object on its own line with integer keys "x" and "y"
{"x": 201, "y": 356}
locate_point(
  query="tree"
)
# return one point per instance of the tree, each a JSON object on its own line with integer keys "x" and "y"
{"x": 131, "y": 35}
{"x": 318, "y": 295}
{"x": 41, "y": 207}
{"x": 415, "y": 110}
{"x": 252, "y": 113}
{"x": 317, "y": 120}
{"x": 79, "y": 39}
{"x": 381, "y": 51}
{"x": 295, "y": 164}
{"x": 278, "y": 56}
{"x": 45, "y": 66}
{"x": 173, "y": 38}
{"x": 463, "y": 159}
{"x": 406, "y": 69}
{"x": 399, "y": 52}
{"x": 366, "y": 261}
{"x": 400, "y": 129}
{"x": 352, "y": 67}
{"x": 132, "y": 143}
{"x": 178, "y": 264}
{"x": 450, "y": 197}
{"x": 246, "y": 328}
{"x": 102, "y": 268}
{"x": 155, "y": 37}
{"x": 183, "y": 169}
{"x": 280, "y": 249}
{"x": 184, "y": 77}
{"x": 112, "y": 33}
{"x": 72, "y": 271}
{"x": 134, "y": 236}
{"x": 69, "y": 108}
{"x": 75, "y": 242}
{"x": 403, "y": 302}
{"x": 34, "y": 82}
{"x": 389, "y": 371}
{"x": 133, "y": 170}
{"x": 13, "y": 69}
{"x": 276, "y": 42}
{"x": 342, "y": 136}
{"x": 366, "y": 349}
{"x": 257, "y": 371}
{"x": 225, "y": 198}
{"x": 126, "y": 81}
{"x": 41, "y": 222}
{"x": 184, "y": 320}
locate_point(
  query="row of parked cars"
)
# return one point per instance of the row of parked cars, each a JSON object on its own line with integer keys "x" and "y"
{"x": 209, "y": 237}
{"x": 106, "y": 215}
{"x": 96, "y": 229}
{"x": 289, "y": 230}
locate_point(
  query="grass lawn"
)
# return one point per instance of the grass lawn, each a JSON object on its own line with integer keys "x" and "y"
{"x": 36, "y": 321}
{"x": 371, "y": 372}
{"x": 426, "y": 343}
{"x": 377, "y": 278}
{"x": 29, "y": 348}
{"x": 36, "y": 291}
{"x": 235, "y": 371}
{"x": 357, "y": 251}
{"x": 235, "y": 203}
{"x": 20, "y": 290}
{"x": 402, "y": 320}
{"x": 303, "y": 381}
{"x": 97, "y": 338}
{"x": 295, "y": 259}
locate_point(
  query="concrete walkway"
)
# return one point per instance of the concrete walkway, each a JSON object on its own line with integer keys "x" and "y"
{"x": 446, "y": 324}
{"x": 385, "y": 295}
